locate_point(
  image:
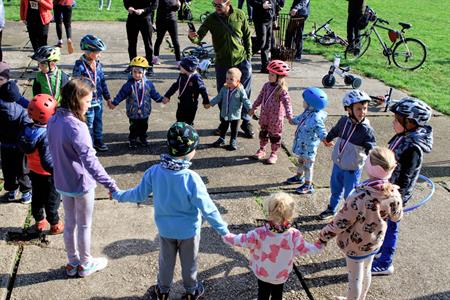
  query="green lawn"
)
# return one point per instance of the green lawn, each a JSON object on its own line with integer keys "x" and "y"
{"x": 430, "y": 24}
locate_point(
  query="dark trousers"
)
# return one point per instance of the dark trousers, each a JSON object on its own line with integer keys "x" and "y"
{"x": 144, "y": 26}
{"x": 162, "y": 26}
{"x": 63, "y": 13}
{"x": 138, "y": 129}
{"x": 15, "y": 170}
{"x": 1, "y": 52}
{"x": 270, "y": 291}
{"x": 294, "y": 35}
{"x": 355, "y": 11}
{"x": 38, "y": 34}
{"x": 249, "y": 7}
{"x": 186, "y": 113}
{"x": 263, "y": 41}
{"x": 45, "y": 198}
{"x": 223, "y": 127}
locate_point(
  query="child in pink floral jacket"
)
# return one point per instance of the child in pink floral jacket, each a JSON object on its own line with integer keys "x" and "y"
{"x": 274, "y": 246}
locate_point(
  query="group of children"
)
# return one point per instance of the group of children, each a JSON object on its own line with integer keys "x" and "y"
{"x": 63, "y": 126}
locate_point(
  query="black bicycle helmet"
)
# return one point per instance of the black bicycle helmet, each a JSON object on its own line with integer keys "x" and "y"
{"x": 92, "y": 43}
{"x": 412, "y": 108}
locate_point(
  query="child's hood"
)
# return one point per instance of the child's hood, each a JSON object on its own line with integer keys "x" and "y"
{"x": 31, "y": 135}
{"x": 9, "y": 92}
{"x": 422, "y": 137}
{"x": 376, "y": 193}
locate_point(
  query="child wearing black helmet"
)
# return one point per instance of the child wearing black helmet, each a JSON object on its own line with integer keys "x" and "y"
{"x": 88, "y": 66}
{"x": 139, "y": 92}
{"x": 178, "y": 212}
{"x": 189, "y": 85}
{"x": 413, "y": 137}
{"x": 49, "y": 79}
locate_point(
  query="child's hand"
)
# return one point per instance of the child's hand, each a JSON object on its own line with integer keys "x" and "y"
{"x": 328, "y": 144}
{"x": 207, "y": 106}
{"x": 251, "y": 112}
{"x": 291, "y": 122}
{"x": 228, "y": 238}
{"x": 111, "y": 105}
{"x": 165, "y": 100}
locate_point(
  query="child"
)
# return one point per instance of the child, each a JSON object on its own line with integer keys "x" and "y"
{"x": 361, "y": 223}
{"x": 34, "y": 144}
{"x": 274, "y": 246}
{"x": 275, "y": 105}
{"x": 231, "y": 98}
{"x": 189, "y": 85}
{"x": 63, "y": 14}
{"x": 13, "y": 118}
{"x": 49, "y": 79}
{"x": 76, "y": 170}
{"x": 413, "y": 137}
{"x": 178, "y": 212}
{"x": 89, "y": 66}
{"x": 139, "y": 91}
{"x": 310, "y": 131}
{"x": 37, "y": 15}
{"x": 355, "y": 139}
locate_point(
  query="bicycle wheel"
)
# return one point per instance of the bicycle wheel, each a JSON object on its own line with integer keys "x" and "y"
{"x": 327, "y": 39}
{"x": 352, "y": 54}
{"x": 190, "y": 50}
{"x": 409, "y": 54}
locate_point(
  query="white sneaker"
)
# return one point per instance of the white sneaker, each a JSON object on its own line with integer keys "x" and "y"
{"x": 376, "y": 271}
{"x": 94, "y": 265}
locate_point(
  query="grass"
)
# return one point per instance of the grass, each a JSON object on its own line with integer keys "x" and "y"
{"x": 430, "y": 83}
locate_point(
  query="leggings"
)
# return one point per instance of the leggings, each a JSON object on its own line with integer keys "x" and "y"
{"x": 63, "y": 14}
{"x": 77, "y": 228}
{"x": 162, "y": 26}
{"x": 359, "y": 277}
{"x": 265, "y": 136}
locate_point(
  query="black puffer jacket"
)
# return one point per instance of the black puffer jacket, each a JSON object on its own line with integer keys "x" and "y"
{"x": 409, "y": 155}
{"x": 261, "y": 15}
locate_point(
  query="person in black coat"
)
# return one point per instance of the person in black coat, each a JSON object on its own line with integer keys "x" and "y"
{"x": 166, "y": 20}
{"x": 263, "y": 14}
{"x": 294, "y": 33}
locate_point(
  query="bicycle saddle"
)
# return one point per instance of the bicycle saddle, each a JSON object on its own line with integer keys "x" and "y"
{"x": 405, "y": 25}
{"x": 345, "y": 69}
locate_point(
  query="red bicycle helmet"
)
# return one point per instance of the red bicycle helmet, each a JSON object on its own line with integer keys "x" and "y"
{"x": 41, "y": 108}
{"x": 278, "y": 67}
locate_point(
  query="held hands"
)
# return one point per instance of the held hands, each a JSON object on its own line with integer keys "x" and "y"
{"x": 111, "y": 105}
{"x": 328, "y": 144}
{"x": 251, "y": 112}
{"x": 131, "y": 10}
{"x": 165, "y": 100}
{"x": 291, "y": 122}
{"x": 293, "y": 12}
{"x": 267, "y": 5}
{"x": 139, "y": 11}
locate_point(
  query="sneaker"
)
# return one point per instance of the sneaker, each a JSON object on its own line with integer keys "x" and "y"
{"x": 327, "y": 214}
{"x": 340, "y": 298}
{"x": 41, "y": 225}
{"x": 59, "y": 44}
{"x": 132, "y": 144}
{"x": 57, "y": 228}
{"x": 26, "y": 198}
{"x": 95, "y": 265}
{"x": 260, "y": 154}
{"x": 72, "y": 269}
{"x": 248, "y": 130}
{"x": 272, "y": 159}
{"x": 295, "y": 180}
{"x": 156, "y": 293}
{"x": 233, "y": 145}
{"x": 101, "y": 147}
{"x": 12, "y": 195}
{"x": 198, "y": 293}
{"x": 219, "y": 143}
{"x": 378, "y": 270}
{"x": 144, "y": 142}
{"x": 155, "y": 60}
{"x": 70, "y": 48}
{"x": 306, "y": 188}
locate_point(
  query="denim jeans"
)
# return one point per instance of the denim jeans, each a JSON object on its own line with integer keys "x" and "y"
{"x": 94, "y": 120}
{"x": 342, "y": 181}
{"x": 389, "y": 244}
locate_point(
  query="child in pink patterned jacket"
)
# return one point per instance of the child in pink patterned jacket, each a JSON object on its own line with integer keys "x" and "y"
{"x": 274, "y": 246}
{"x": 275, "y": 106}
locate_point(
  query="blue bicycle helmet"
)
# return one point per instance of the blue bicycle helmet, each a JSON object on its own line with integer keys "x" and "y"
{"x": 315, "y": 97}
{"x": 92, "y": 43}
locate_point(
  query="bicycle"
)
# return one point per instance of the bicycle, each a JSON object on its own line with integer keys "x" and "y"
{"x": 385, "y": 100}
{"x": 327, "y": 39}
{"x": 406, "y": 53}
{"x": 205, "y": 54}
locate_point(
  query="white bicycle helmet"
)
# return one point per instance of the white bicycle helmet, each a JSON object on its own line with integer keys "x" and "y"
{"x": 412, "y": 108}
{"x": 355, "y": 96}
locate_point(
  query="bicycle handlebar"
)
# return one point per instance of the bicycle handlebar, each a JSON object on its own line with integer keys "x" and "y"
{"x": 383, "y": 21}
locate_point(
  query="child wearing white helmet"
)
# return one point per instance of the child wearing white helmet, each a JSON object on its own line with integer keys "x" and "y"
{"x": 310, "y": 131}
{"x": 355, "y": 138}
{"x": 413, "y": 137}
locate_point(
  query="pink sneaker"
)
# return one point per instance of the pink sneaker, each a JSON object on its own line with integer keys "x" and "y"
{"x": 272, "y": 159}
{"x": 260, "y": 154}
{"x": 155, "y": 60}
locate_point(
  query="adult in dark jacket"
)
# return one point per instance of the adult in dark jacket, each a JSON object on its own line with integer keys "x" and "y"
{"x": 166, "y": 20}
{"x": 294, "y": 33}
{"x": 140, "y": 20}
{"x": 263, "y": 14}
{"x": 355, "y": 11}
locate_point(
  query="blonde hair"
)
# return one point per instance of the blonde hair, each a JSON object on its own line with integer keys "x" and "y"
{"x": 280, "y": 207}
{"x": 385, "y": 158}
{"x": 235, "y": 73}
{"x": 282, "y": 86}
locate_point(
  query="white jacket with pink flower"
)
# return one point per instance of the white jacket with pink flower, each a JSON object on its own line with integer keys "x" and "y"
{"x": 272, "y": 254}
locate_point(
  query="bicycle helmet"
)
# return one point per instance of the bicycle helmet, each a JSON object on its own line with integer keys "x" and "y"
{"x": 278, "y": 67}
{"x": 139, "y": 61}
{"x": 355, "y": 96}
{"x": 189, "y": 63}
{"x": 412, "y": 108}
{"x": 41, "y": 108}
{"x": 90, "y": 42}
{"x": 182, "y": 139}
{"x": 46, "y": 54}
{"x": 315, "y": 97}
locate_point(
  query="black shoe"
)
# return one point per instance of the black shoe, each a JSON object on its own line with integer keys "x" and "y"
{"x": 144, "y": 142}
{"x": 219, "y": 143}
{"x": 132, "y": 144}
{"x": 248, "y": 130}
{"x": 101, "y": 147}
{"x": 156, "y": 293}
{"x": 127, "y": 70}
{"x": 327, "y": 214}
{"x": 198, "y": 293}
{"x": 233, "y": 145}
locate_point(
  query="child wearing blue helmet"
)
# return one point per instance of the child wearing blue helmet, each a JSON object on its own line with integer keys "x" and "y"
{"x": 310, "y": 131}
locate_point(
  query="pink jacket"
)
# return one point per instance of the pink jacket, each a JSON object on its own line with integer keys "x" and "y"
{"x": 45, "y": 10}
{"x": 272, "y": 254}
{"x": 273, "y": 112}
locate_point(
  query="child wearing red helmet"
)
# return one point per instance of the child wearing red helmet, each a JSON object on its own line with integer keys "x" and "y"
{"x": 275, "y": 105}
{"x": 33, "y": 142}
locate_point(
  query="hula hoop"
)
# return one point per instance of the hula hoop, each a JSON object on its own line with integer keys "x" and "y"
{"x": 424, "y": 200}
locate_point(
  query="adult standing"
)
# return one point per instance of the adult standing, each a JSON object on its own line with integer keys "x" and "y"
{"x": 36, "y": 14}
{"x": 166, "y": 20}
{"x": 294, "y": 33}
{"x": 355, "y": 12}
{"x": 140, "y": 20}
{"x": 263, "y": 14}
{"x": 249, "y": 8}
{"x": 63, "y": 14}
{"x": 232, "y": 44}
{"x": 2, "y": 26}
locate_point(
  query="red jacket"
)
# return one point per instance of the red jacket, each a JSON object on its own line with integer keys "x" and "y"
{"x": 45, "y": 10}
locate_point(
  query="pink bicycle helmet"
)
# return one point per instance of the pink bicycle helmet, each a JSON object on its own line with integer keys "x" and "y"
{"x": 278, "y": 67}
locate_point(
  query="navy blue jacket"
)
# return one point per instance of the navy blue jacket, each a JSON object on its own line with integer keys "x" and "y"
{"x": 194, "y": 88}
{"x": 10, "y": 93}
{"x": 32, "y": 138}
{"x": 13, "y": 118}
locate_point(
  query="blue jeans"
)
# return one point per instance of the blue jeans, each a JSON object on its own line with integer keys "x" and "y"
{"x": 387, "y": 250}
{"x": 342, "y": 181}
{"x": 94, "y": 121}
